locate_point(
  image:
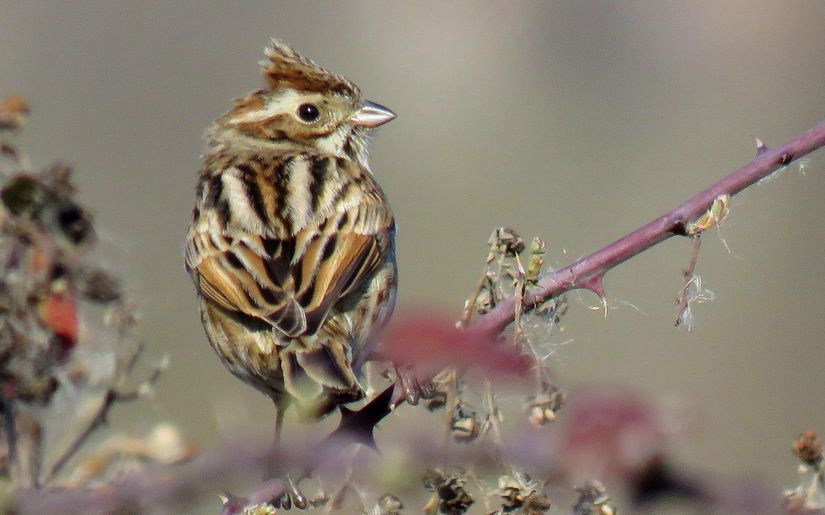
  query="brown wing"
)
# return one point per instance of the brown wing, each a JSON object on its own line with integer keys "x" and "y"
{"x": 293, "y": 282}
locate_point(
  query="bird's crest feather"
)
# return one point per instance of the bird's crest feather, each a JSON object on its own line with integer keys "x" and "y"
{"x": 286, "y": 68}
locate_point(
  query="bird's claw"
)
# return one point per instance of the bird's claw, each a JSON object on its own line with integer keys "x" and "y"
{"x": 409, "y": 388}
{"x": 292, "y": 496}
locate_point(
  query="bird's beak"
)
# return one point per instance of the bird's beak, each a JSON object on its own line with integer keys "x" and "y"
{"x": 372, "y": 115}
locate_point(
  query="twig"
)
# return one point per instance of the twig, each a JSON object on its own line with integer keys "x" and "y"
{"x": 112, "y": 396}
{"x": 9, "y": 427}
{"x": 485, "y": 495}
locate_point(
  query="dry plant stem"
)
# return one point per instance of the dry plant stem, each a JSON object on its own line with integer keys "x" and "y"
{"x": 494, "y": 417}
{"x": 492, "y": 414}
{"x": 687, "y": 273}
{"x": 7, "y": 406}
{"x": 521, "y": 290}
{"x": 450, "y": 404}
{"x": 112, "y": 397}
{"x": 470, "y": 305}
{"x": 30, "y": 442}
{"x": 542, "y": 376}
{"x": 484, "y": 494}
{"x": 98, "y": 420}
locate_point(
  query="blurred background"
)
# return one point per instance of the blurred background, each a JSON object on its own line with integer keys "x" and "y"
{"x": 575, "y": 120}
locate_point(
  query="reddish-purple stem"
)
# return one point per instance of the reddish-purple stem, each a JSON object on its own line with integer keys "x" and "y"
{"x": 672, "y": 223}
{"x": 588, "y": 271}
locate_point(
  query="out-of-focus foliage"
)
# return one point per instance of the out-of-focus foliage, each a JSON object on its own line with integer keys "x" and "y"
{"x": 67, "y": 352}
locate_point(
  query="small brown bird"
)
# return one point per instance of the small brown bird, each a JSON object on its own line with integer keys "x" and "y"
{"x": 292, "y": 242}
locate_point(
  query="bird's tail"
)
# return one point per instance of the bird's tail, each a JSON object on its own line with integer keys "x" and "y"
{"x": 318, "y": 377}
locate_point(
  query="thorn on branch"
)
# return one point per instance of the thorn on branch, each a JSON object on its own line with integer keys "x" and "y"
{"x": 359, "y": 425}
{"x": 595, "y": 284}
{"x": 761, "y": 148}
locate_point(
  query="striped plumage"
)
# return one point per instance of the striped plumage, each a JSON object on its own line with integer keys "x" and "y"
{"x": 291, "y": 246}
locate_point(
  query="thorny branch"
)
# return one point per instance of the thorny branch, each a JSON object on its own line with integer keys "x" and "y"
{"x": 588, "y": 272}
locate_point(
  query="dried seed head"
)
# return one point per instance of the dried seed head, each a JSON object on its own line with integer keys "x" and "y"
{"x": 593, "y": 500}
{"x": 38, "y": 285}
{"x": 808, "y": 447}
{"x": 100, "y": 286}
{"x": 165, "y": 444}
{"x": 507, "y": 241}
{"x": 464, "y": 425}
{"x": 453, "y": 498}
{"x": 438, "y": 401}
{"x": 484, "y": 301}
{"x": 432, "y": 478}
{"x": 22, "y": 194}
{"x": 541, "y": 409}
{"x": 389, "y": 504}
{"x": 540, "y": 416}
{"x": 76, "y": 223}
{"x": 524, "y": 496}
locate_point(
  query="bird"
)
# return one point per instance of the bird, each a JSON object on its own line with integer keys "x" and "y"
{"x": 292, "y": 241}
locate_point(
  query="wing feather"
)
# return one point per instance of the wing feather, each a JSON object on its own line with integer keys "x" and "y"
{"x": 293, "y": 282}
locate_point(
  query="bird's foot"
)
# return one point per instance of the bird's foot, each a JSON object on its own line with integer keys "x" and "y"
{"x": 409, "y": 388}
{"x": 292, "y": 495}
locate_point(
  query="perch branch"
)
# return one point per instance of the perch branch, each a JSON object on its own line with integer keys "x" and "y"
{"x": 587, "y": 273}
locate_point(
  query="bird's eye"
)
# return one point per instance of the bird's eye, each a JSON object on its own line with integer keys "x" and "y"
{"x": 308, "y": 112}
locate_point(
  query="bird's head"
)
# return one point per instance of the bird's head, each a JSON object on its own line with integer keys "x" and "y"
{"x": 304, "y": 107}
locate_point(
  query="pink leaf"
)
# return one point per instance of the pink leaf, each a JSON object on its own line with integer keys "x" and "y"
{"x": 429, "y": 343}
